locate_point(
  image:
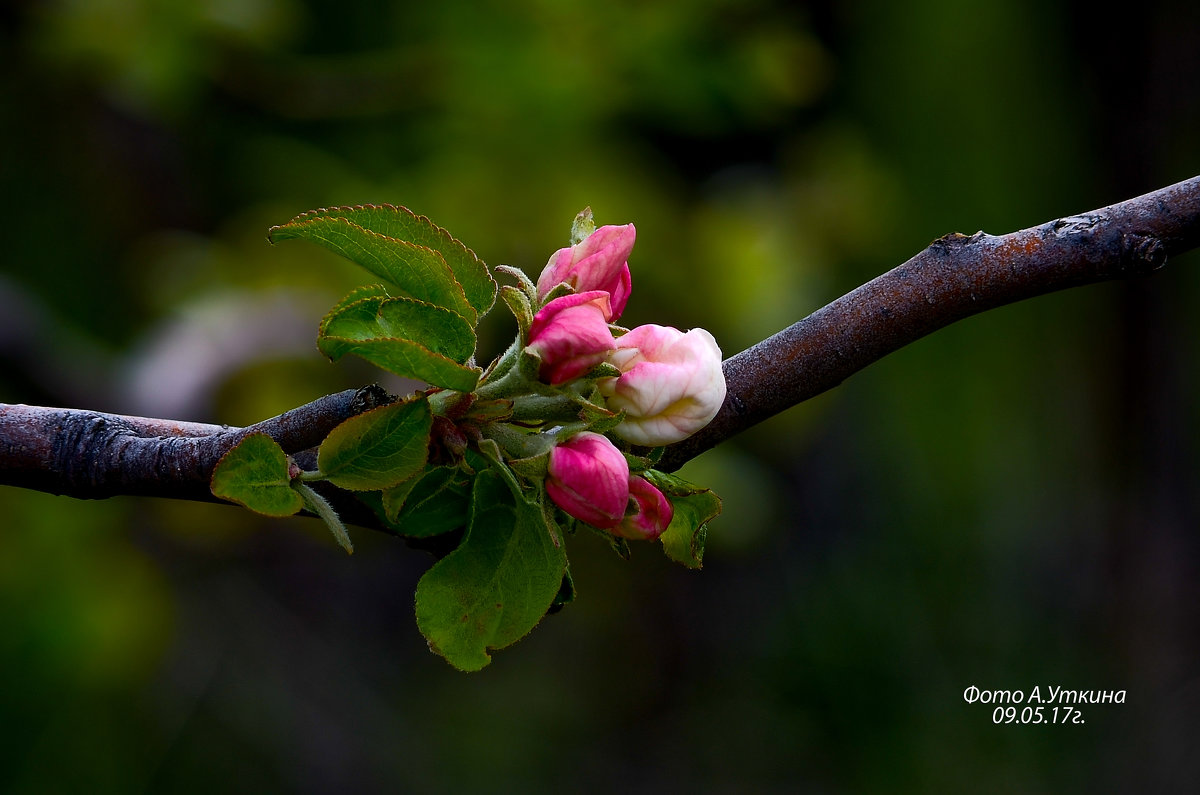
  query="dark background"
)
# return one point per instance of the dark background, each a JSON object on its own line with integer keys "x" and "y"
{"x": 1007, "y": 504}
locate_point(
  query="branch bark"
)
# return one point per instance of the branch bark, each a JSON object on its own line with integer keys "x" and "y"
{"x": 92, "y": 455}
{"x": 955, "y": 277}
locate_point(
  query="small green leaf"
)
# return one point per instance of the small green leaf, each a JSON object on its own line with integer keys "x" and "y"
{"x": 583, "y": 226}
{"x": 437, "y": 502}
{"x": 493, "y": 589}
{"x": 403, "y": 225}
{"x": 528, "y": 364}
{"x": 637, "y": 463}
{"x": 558, "y": 291}
{"x": 410, "y": 338}
{"x": 255, "y": 474}
{"x": 598, "y": 418}
{"x": 684, "y": 538}
{"x": 532, "y": 468}
{"x": 378, "y": 448}
{"x": 518, "y": 304}
{"x": 524, "y": 282}
{"x": 694, "y": 506}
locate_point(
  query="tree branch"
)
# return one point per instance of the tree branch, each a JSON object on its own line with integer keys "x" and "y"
{"x": 92, "y": 455}
{"x": 87, "y": 454}
{"x": 955, "y": 277}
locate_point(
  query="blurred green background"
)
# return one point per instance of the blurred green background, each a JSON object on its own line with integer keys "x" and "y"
{"x": 1009, "y": 503}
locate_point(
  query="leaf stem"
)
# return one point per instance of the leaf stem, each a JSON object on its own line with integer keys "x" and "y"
{"x": 321, "y": 507}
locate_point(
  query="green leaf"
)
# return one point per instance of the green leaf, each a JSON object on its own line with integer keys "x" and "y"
{"x": 334, "y": 228}
{"x": 416, "y": 270}
{"x": 255, "y": 474}
{"x": 533, "y": 468}
{"x": 379, "y": 317}
{"x": 684, "y": 538}
{"x": 524, "y": 282}
{"x": 354, "y": 296}
{"x": 694, "y": 507}
{"x": 493, "y": 589}
{"x": 485, "y": 411}
{"x": 410, "y": 338}
{"x": 599, "y": 418}
{"x": 407, "y": 359}
{"x": 436, "y": 502}
{"x": 378, "y": 448}
{"x": 637, "y": 463}
{"x": 495, "y": 458}
{"x": 392, "y": 499}
{"x": 518, "y": 304}
{"x": 583, "y": 226}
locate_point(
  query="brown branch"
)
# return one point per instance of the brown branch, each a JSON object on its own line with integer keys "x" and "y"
{"x": 92, "y": 455}
{"x": 955, "y": 277}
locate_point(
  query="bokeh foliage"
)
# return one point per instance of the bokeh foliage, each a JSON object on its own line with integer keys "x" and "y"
{"x": 1006, "y": 504}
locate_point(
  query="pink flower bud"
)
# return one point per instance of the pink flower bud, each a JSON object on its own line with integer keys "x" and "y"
{"x": 671, "y": 384}
{"x": 570, "y": 335}
{"x": 589, "y": 478}
{"x": 598, "y": 262}
{"x": 651, "y": 512}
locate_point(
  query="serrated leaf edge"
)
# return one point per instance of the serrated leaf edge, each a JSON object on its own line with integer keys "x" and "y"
{"x": 363, "y": 293}
{"x": 487, "y": 650}
{"x": 358, "y": 419}
{"x": 334, "y": 212}
{"x": 438, "y": 231}
{"x": 342, "y": 306}
{"x": 405, "y": 243}
{"x": 460, "y": 367}
{"x": 234, "y": 499}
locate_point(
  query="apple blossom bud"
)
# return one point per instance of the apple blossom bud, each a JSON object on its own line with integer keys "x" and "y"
{"x": 651, "y": 512}
{"x": 598, "y": 262}
{"x": 571, "y": 336}
{"x": 589, "y": 478}
{"x": 671, "y": 384}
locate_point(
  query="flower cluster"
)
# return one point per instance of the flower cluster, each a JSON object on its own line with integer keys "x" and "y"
{"x": 563, "y": 430}
{"x": 665, "y": 384}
